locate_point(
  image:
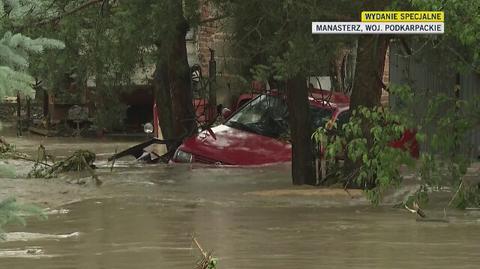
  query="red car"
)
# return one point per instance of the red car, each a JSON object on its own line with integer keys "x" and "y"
{"x": 253, "y": 134}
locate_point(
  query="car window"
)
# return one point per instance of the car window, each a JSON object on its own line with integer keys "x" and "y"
{"x": 268, "y": 115}
{"x": 261, "y": 107}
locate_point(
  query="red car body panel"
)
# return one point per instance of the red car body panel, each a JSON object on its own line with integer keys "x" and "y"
{"x": 231, "y": 146}
{"x": 409, "y": 142}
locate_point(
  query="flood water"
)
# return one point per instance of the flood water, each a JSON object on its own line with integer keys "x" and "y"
{"x": 150, "y": 217}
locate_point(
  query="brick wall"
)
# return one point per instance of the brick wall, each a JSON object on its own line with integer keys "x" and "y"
{"x": 205, "y": 36}
{"x": 213, "y": 35}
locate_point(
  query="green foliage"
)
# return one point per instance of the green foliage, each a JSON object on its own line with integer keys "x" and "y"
{"x": 379, "y": 162}
{"x": 441, "y": 126}
{"x": 80, "y": 160}
{"x": 111, "y": 46}
{"x": 16, "y": 48}
{"x": 274, "y": 37}
{"x": 448, "y": 161}
{"x": 467, "y": 195}
{"x": 461, "y": 38}
{"x": 212, "y": 264}
{"x": 12, "y": 212}
{"x": 111, "y": 115}
{"x": 443, "y": 123}
{"x": 9, "y": 213}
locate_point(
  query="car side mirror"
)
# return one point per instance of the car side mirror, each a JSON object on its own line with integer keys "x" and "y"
{"x": 226, "y": 112}
{"x": 148, "y": 128}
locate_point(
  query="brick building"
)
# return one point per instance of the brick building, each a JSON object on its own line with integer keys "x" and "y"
{"x": 212, "y": 34}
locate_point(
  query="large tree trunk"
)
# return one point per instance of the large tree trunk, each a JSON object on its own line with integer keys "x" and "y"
{"x": 179, "y": 76}
{"x": 371, "y": 52}
{"x": 164, "y": 101}
{"x": 172, "y": 84}
{"x": 301, "y": 131}
{"x": 367, "y": 86}
{"x": 367, "y": 89}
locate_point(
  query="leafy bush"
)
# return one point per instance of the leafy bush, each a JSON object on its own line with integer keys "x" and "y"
{"x": 111, "y": 115}
{"x": 365, "y": 140}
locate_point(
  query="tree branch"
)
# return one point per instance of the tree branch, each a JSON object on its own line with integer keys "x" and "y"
{"x": 70, "y": 12}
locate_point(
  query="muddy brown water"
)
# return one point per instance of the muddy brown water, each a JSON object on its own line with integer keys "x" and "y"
{"x": 148, "y": 219}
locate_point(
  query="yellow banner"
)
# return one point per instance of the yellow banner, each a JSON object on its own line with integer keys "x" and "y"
{"x": 403, "y": 16}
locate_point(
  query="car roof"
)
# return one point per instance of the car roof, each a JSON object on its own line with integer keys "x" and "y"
{"x": 325, "y": 99}
{"x": 334, "y": 100}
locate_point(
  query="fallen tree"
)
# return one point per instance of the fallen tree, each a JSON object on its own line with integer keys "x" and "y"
{"x": 80, "y": 160}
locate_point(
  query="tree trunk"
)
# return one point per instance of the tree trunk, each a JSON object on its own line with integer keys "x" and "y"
{"x": 367, "y": 83}
{"x": 179, "y": 77}
{"x": 337, "y": 69}
{"x": 164, "y": 101}
{"x": 301, "y": 132}
{"x": 371, "y": 52}
{"x": 172, "y": 84}
{"x": 367, "y": 86}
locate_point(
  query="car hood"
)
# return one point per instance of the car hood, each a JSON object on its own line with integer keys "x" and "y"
{"x": 236, "y": 147}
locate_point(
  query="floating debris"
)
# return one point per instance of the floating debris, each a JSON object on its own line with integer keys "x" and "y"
{"x": 80, "y": 160}
{"x": 207, "y": 260}
{"x": 416, "y": 209}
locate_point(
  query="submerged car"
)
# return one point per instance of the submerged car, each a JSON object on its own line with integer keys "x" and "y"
{"x": 257, "y": 133}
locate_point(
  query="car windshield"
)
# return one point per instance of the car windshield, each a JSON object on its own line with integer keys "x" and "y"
{"x": 268, "y": 115}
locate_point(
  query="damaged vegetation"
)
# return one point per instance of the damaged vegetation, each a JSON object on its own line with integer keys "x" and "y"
{"x": 46, "y": 166}
{"x": 80, "y": 160}
{"x": 207, "y": 260}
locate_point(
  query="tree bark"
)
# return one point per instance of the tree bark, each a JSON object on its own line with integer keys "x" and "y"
{"x": 367, "y": 86}
{"x": 172, "y": 84}
{"x": 367, "y": 83}
{"x": 301, "y": 131}
{"x": 164, "y": 100}
{"x": 371, "y": 52}
{"x": 337, "y": 69}
{"x": 184, "y": 122}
